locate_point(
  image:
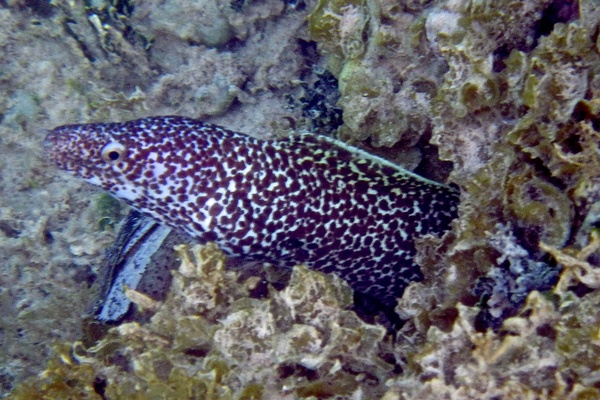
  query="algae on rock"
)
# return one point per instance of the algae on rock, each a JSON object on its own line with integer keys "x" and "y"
{"x": 209, "y": 340}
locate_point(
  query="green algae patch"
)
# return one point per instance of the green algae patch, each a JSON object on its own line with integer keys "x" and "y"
{"x": 109, "y": 211}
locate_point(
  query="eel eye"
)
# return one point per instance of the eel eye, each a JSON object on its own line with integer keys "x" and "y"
{"x": 113, "y": 152}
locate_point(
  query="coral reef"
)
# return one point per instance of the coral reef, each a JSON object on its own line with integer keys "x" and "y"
{"x": 549, "y": 350}
{"x": 507, "y": 91}
{"x": 539, "y": 157}
{"x": 209, "y": 340}
{"x": 372, "y": 48}
{"x": 302, "y": 342}
{"x": 65, "y": 61}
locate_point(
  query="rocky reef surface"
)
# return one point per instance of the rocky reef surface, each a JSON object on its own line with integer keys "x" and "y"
{"x": 501, "y": 99}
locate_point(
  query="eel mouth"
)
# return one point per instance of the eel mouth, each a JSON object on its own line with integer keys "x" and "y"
{"x": 50, "y": 144}
{"x": 50, "y": 139}
{"x": 57, "y": 147}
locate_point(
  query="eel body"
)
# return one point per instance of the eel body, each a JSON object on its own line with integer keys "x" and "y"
{"x": 302, "y": 200}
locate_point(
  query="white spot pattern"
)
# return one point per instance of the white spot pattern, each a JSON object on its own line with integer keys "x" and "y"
{"x": 306, "y": 199}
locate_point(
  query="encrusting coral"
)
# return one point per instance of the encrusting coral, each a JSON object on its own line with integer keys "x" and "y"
{"x": 208, "y": 339}
{"x": 516, "y": 110}
{"x": 549, "y": 350}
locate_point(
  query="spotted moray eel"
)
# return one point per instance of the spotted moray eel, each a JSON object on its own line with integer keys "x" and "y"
{"x": 306, "y": 199}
